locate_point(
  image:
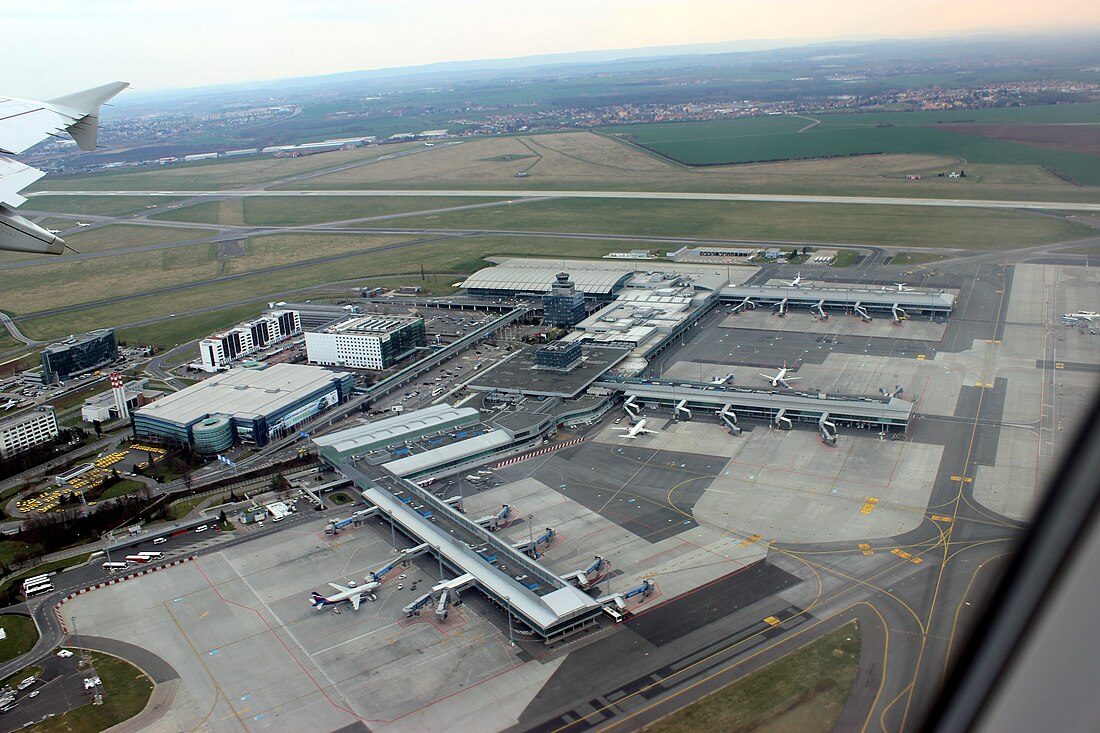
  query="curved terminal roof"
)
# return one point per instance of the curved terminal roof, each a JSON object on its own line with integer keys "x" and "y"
{"x": 539, "y": 279}
{"x": 364, "y": 438}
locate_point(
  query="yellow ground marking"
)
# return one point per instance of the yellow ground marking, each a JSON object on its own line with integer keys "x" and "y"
{"x": 872, "y": 501}
{"x": 865, "y": 548}
{"x": 772, "y": 621}
{"x": 941, "y": 518}
{"x": 749, "y": 540}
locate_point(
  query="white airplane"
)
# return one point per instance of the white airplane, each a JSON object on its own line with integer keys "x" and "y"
{"x": 82, "y": 224}
{"x": 1082, "y": 316}
{"x": 354, "y": 596}
{"x": 781, "y": 378}
{"x": 9, "y": 404}
{"x": 54, "y": 231}
{"x": 899, "y": 288}
{"x": 637, "y": 429}
{"x": 796, "y": 282}
{"x": 24, "y": 123}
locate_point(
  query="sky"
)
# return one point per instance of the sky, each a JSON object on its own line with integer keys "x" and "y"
{"x": 50, "y": 48}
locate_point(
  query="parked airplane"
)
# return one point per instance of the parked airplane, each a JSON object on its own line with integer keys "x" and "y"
{"x": 637, "y": 429}
{"x": 54, "y": 231}
{"x": 25, "y": 122}
{"x": 796, "y": 282}
{"x": 354, "y": 596}
{"x": 82, "y": 224}
{"x": 781, "y": 378}
{"x": 898, "y": 288}
{"x": 1082, "y": 316}
{"x": 9, "y": 404}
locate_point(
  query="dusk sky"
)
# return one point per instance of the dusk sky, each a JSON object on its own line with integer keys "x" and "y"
{"x": 56, "y": 47}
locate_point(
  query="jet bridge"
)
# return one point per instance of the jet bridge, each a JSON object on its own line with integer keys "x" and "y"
{"x": 729, "y": 419}
{"x": 818, "y": 309}
{"x": 828, "y": 429}
{"x": 862, "y": 312}
{"x": 681, "y": 409}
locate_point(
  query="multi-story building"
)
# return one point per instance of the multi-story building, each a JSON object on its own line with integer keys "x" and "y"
{"x": 218, "y": 351}
{"x": 365, "y": 342}
{"x": 563, "y": 306}
{"x": 249, "y": 405}
{"x": 25, "y": 431}
{"x": 560, "y": 355}
{"x": 78, "y": 355}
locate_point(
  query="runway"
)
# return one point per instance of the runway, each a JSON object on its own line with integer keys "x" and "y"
{"x": 645, "y": 195}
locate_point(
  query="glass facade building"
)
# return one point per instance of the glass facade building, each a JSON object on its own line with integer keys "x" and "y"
{"x": 563, "y": 306}
{"x": 78, "y": 355}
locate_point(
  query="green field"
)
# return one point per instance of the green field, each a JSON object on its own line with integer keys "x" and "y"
{"x": 166, "y": 334}
{"x": 267, "y": 211}
{"x": 98, "y": 205}
{"x": 51, "y": 284}
{"x": 126, "y": 690}
{"x": 826, "y": 223}
{"x": 804, "y": 691}
{"x": 402, "y": 266}
{"x": 216, "y": 174}
{"x": 21, "y": 635}
{"x": 121, "y": 488}
{"x": 776, "y": 138}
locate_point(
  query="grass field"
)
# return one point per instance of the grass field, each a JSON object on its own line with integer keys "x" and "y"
{"x": 98, "y": 205}
{"x": 455, "y": 255}
{"x": 166, "y": 334}
{"x": 804, "y": 691}
{"x": 123, "y": 487}
{"x": 218, "y": 174}
{"x": 828, "y": 223}
{"x": 260, "y": 211}
{"x": 126, "y": 690}
{"x": 584, "y": 160}
{"x": 118, "y": 236}
{"x": 21, "y": 635}
{"x": 53, "y": 284}
{"x": 839, "y": 134}
{"x": 915, "y": 258}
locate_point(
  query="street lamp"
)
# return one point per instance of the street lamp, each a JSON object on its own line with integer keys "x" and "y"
{"x": 508, "y": 608}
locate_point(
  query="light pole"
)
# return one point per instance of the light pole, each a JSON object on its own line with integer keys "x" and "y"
{"x": 508, "y": 608}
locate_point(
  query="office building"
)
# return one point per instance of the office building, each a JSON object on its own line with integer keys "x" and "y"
{"x": 252, "y": 406}
{"x": 78, "y": 355}
{"x": 365, "y": 342}
{"x": 560, "y": 355}
{"x": 27, "y": 430}
{"x": 218, "y": 351}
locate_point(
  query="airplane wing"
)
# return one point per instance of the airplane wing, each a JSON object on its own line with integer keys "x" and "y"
{"x": 24, "y": 123}
{"x": 356, "y": 600}
{"x": 341, "y": 588}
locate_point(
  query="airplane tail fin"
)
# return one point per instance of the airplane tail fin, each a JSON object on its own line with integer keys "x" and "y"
{"x": 84, "y": 105}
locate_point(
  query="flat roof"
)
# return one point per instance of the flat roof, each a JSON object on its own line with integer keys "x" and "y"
{"x": 811, "y": 295}
{"x": 79, "y": 339}
{"x": 242, "y": 393}
{"x": 840, "y": 406}
{"x": 521, "y": 375}
{"x": 391, "y": 429}
{"x": 427, "y": 460}
{"x": 369, "y": 324}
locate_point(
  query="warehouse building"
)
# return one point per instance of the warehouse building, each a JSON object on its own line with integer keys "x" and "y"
{"x": 252, "y": 406}
{"x": 28, "y": 430}
{"x": 366, "y": 342}
{"x": 78, "y": 355}
{"x": 103, "y": 408}
{"x": 218, "y": 351}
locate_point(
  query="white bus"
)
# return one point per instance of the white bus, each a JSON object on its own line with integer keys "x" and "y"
{"x": 152, "y": 555}
{"x": 34, "y": 590}
{"x": 36, "y": 580}
{"x": 137, "y": 558}
{"x": 113, "y": 566}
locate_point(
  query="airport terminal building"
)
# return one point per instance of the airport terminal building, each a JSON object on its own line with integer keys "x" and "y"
{"x": 245, "y": 405}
